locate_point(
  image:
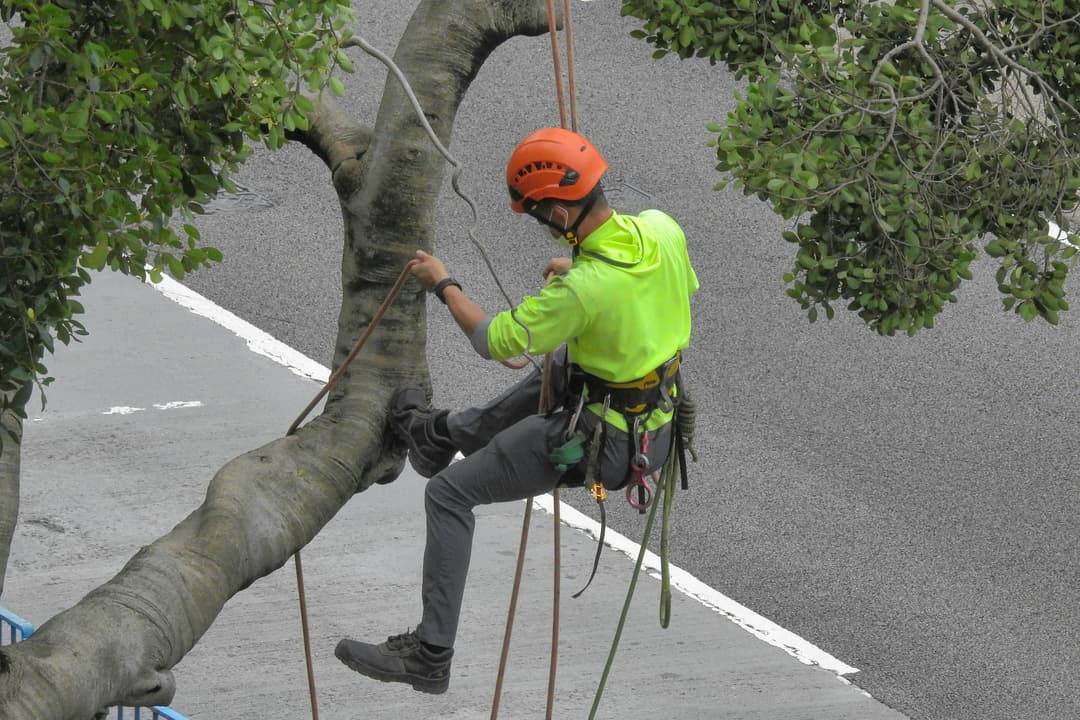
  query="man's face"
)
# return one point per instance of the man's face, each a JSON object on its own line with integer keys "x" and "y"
{"x": 557, "y": 221}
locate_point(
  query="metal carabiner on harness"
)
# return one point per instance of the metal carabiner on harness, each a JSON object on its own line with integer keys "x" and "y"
{"x": 639, "y": 491}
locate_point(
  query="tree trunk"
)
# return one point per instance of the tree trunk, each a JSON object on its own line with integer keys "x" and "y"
{"x": 10, "y": 449}
{"x": 118, "y": 644}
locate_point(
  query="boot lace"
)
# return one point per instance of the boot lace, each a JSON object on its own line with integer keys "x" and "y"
{"x": 405, "y": 640}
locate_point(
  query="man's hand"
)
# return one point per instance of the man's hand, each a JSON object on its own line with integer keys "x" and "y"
{"x": 556, "y": 266}
{"x": 428, "y": 269}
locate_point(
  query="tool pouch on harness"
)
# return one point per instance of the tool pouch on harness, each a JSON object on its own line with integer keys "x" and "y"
{"x": 569, "y": 454}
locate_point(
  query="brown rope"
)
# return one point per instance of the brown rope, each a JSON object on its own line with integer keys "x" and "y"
{"x": 556, "y": 61}
{"x": 307, "y": 636}
{"x": 569, "y": 23}
{"x": 376, "y": 318}
{"x": 292, "y": 429}
{"x": 513, "y": 606}
{"x": 546, "y": 403}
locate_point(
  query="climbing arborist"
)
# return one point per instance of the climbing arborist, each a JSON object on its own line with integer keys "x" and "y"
{"x": 614, "y": 320}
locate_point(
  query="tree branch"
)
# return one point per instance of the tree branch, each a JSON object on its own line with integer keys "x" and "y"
{"x": 999, "y": 55}
{"x": 119, "y": 643}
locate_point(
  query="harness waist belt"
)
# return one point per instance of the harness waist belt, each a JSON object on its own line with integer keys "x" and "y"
{"x": 650, "y": 392}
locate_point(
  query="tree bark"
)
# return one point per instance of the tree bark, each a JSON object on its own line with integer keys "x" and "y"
{"x": 10, "y": 450}
{"x": 118, "y": 644}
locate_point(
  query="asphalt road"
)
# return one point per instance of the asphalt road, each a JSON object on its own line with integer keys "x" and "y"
{"x": 906, "y": 504}
{"x": 160, "y": 395}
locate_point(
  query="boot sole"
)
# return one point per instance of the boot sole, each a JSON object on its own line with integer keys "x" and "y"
{"x": 419, "y": 684}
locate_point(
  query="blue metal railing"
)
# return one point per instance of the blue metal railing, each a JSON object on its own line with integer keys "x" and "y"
{"x": 13, "y": 629}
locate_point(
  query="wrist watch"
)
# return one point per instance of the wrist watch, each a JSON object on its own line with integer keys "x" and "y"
{"x": 441, "y": 286}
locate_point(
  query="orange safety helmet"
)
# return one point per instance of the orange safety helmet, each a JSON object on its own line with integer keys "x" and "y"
{"x": 552, "y": 163}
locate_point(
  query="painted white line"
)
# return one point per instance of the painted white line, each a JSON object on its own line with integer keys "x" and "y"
{"x": 258, "y": 341}
{"x": 763, "y": 628}
{"x": 122, "y": 410}
{"x": 178, "y": 404}
{"x": 757, "y": 625}
{"x": 174, "y": 405}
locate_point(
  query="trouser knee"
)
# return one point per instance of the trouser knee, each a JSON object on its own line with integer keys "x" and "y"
{"x": 440, "y": 494}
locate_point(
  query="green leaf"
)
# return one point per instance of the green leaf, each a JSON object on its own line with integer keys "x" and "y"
{"x": 95, "y": 259}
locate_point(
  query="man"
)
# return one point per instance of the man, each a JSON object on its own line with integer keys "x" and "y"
{"x": 614, "y": 318}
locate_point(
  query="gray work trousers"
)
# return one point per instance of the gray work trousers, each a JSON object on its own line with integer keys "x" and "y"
{"x": 506, "y": 446}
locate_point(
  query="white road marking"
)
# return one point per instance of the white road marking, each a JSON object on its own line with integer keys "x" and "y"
{"x": 258, "y": 341}
{"x": 769, "y": 632}
{"x": 761, "y": 627}
{"x": 176, "y": 404}
{"x": 1058, "y": 234}
{"x": 122, "y": 410}
{"x": 755, "y": 624}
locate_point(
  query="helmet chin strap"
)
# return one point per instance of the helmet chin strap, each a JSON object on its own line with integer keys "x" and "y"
{"x": 570, "y": 234}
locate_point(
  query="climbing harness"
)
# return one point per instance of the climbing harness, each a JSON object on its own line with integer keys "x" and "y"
{"x": 596, "y": 487}
{"x": 652, "y": 391}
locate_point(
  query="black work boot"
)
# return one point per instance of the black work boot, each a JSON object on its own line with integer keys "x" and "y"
{"x": 414, "y": 421}
{"x": 402, "y": 658}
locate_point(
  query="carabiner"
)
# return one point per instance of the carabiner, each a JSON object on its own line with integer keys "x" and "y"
{"x": 639, "y": 493}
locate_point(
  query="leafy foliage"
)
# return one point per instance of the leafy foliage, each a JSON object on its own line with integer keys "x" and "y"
{"x": 897, "y": 136}
{"x": 114, "y": 116}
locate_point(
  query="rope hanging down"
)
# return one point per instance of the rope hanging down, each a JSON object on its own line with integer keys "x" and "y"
{"x": 545, "y": 395}
{"x": 357, "y": 41}
{"x": 546, "y": 404}
{"x": 376, "y": 318}
{"x": 665, "y": 480}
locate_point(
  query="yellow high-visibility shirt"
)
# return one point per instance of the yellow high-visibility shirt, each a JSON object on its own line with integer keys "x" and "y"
{"x": 623, "y": 308}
